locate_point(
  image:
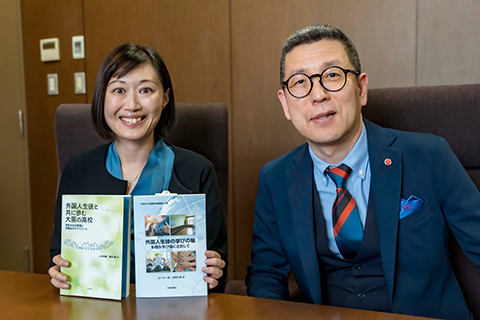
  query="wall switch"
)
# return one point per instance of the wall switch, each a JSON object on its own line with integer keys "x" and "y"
{"x": 79, "y": 82}
{"x": 52, "y": 84}
{"x": 78, "y": 47}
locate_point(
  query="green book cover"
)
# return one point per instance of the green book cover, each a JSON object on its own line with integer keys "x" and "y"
{"x": 96, "y": 242}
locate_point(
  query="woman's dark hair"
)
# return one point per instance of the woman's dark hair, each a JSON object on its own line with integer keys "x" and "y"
{"x": 118, "y": 63}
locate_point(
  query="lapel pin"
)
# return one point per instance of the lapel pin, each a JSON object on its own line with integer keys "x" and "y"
{"x": 388, "y": 162}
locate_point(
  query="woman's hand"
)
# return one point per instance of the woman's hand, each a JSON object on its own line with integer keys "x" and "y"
{"x": 58, "y": 278}
{"x": 213, "y": 269}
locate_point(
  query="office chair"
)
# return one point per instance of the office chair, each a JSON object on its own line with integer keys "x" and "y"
{"x": 452, "y": 112}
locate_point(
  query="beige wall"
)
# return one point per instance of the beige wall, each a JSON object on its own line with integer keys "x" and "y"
{"x": 15, "y": 233}
{"x": 227, "y": 51}
{"x": 448, "y": 42}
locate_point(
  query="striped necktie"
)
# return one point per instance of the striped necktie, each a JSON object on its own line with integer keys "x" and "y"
{"x": 347, "y": 228}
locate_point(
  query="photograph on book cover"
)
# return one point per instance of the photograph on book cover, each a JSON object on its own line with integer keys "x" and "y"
{"x": 166, "y": 225}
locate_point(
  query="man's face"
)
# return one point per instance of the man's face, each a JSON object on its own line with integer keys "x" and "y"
{"x": 330, "y": 121}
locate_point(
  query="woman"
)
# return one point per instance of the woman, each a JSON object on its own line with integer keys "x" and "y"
{"x": 134, "y": 105}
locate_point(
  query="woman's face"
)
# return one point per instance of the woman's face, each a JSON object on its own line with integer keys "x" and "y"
{"x": 134, "y": 104}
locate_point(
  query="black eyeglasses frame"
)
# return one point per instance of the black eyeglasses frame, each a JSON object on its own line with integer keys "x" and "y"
{"x": 319, "y": 75}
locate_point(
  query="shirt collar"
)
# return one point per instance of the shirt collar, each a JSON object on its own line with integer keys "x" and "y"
{"x": 357, "y": 159}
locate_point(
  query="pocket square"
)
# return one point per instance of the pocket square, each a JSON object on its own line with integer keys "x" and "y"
{"x": 411, "y": 205}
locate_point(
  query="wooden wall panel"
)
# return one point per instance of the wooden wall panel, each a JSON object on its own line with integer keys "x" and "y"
{"x": 14, "y": 199}
{"x": 47, "y": 19}
{"x": 193, "y": 37}
{"x": 384, "y": 33}
{"x": 448, "y": 42}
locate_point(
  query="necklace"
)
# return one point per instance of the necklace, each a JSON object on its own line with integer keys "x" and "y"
{"x": 131, "y": 179}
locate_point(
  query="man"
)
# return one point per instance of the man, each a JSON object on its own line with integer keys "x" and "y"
{"x": 359, "y": 214}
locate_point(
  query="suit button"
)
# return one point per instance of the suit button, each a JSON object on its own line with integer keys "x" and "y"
{"x": 361, "y": 295}
{"x": 358, "y": 266}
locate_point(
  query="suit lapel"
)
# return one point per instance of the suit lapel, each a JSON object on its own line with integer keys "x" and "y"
{"x": 176, "y": 186}
{"x": 300, "y": 193}
{"x": 386, "y": 168}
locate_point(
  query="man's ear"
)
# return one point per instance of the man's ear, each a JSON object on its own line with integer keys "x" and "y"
{"x": 363, "y": 84}
{"x": 283, "y": 101}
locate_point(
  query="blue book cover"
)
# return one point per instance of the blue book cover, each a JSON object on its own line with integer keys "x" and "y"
{"x": 170, "y": 244}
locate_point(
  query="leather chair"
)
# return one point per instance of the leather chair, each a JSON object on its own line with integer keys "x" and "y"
{"x": 452, "y": 112}
{"x": 202, "y": 128}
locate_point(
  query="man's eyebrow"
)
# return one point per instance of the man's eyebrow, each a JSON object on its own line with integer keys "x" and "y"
{"x": 325, "y": 65}
{"x": 331, "y": 63}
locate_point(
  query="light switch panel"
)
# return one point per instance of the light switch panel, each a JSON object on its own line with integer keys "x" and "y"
{"x": 79, "y": 83}
{"x": 52, "y": 84}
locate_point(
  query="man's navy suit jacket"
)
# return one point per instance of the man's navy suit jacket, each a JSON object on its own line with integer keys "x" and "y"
{"x": 414, "y": 250}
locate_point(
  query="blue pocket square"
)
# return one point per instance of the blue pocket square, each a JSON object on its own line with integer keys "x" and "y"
{"x": 410, "y": 206}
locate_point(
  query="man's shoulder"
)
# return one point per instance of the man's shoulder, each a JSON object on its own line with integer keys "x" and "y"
{"x": 399, "y": 138}
{"x": 286, "y": 161}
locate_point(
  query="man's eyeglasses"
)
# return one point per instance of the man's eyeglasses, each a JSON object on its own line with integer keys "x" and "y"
{"x": 332, "y": 79}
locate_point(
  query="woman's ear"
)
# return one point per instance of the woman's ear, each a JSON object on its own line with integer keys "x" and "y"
{"x": 166, "y": 97}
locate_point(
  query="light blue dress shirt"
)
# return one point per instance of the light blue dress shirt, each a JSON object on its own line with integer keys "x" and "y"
{"x": 358, "y": 184}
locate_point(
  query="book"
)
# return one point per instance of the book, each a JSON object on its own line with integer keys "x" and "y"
{"x": 96, "y": 241}
{"x": 170, "y": 244}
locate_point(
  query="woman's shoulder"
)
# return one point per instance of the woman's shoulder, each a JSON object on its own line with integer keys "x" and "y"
{"x": 186, "y": 157}
{"x": 87, "y": 157}
{"x": 192, "y": 172}
{"x": 86, "y": 173}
